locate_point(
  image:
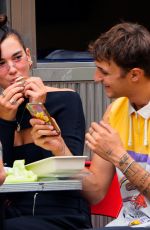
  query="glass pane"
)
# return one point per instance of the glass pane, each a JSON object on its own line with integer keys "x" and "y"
{"x": 2, "y": 6}
{"x": 65, "y": 28}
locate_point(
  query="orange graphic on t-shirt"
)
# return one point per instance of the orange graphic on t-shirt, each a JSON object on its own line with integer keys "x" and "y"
{"x": 139, "y": 201}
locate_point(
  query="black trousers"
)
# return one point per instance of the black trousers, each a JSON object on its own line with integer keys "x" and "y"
{"x": 49, "y": 211}
{"x": 44, "y": 223}
{"x": 1, "y": 211}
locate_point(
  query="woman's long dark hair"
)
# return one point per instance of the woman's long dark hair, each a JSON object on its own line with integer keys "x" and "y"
{"x": 6, "y": 31}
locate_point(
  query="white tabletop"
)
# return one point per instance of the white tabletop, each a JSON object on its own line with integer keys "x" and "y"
{"x": 54, "y": 185}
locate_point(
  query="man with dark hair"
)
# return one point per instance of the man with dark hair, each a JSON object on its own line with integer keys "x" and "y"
{"x": 120, "y": 142}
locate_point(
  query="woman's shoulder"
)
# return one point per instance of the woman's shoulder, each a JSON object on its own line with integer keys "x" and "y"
{"x": 62, "y": 92}
{"x": 55, "y": 89}
{"x": 66, "y": 95}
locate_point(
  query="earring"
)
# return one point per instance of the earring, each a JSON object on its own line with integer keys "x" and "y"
{"x": 30, "y": 63}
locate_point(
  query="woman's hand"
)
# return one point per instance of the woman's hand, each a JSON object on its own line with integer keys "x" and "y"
{"x": 35, "y": 90}
{"x": 10, "y": 99}
{"x": 47, "y": 137}
{"x": 2, "y": 172}
{"x": 105, "y": 142}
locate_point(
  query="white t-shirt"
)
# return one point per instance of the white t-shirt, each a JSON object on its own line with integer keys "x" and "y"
{"x": 135, "y": 211}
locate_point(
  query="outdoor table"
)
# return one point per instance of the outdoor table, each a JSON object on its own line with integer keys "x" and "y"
{"x": 52, "y": 185}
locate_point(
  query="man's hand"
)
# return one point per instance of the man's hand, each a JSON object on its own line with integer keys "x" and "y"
{"x": 103, "y": 140}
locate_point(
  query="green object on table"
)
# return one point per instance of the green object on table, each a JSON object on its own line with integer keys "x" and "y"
{"x": 19, "y": 174}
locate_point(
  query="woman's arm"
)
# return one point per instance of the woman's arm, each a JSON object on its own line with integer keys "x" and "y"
{"x": 66, "y": 107}
{"x": 7, "y": 130}
{"x": 71, "y": 121}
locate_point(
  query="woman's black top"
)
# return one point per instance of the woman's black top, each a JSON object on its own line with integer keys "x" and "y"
{"x": 68, "y": 207}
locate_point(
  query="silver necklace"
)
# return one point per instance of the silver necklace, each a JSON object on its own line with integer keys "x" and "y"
{"x": 19, "y": 122}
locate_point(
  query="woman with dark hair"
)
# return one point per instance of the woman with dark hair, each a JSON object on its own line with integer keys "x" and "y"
{"x": 42, "y": 210}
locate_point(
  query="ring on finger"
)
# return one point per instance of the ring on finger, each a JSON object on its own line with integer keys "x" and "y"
{"x": 13, "y": 102}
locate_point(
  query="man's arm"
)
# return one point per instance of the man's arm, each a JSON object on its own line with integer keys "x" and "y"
{"x": 106, "y": 143}
{"x": 98, "y": 179}
{"x": 135, "y": 173}
{"x": 96, "y": 184}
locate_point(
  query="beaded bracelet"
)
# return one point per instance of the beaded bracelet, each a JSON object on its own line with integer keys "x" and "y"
{"x": 125, "y": 170}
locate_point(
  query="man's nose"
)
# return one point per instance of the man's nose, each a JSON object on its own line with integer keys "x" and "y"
{"x": 98, "y": 77}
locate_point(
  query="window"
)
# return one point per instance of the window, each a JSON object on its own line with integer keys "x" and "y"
{"x": 2, "y": 6}
{"x": 66, "y": 26}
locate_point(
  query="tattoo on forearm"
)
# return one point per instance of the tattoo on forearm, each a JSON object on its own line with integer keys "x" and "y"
{"x": 123, "y": 159}
{"x": 109, "y": 152}
{"x": 144, "y": 178}
{"x": 146, "y": 190}
{"x": 132, "y": 171}
{"x": 135, "y": 174}
{"x": 142, "y": 181}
